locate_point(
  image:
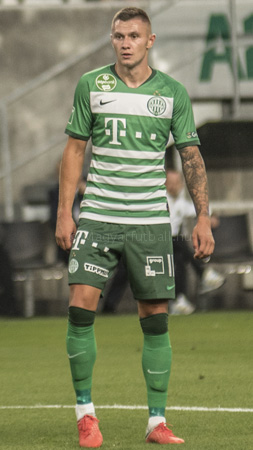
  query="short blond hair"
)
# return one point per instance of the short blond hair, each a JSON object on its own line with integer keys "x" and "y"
{"x": 131, "y": 13}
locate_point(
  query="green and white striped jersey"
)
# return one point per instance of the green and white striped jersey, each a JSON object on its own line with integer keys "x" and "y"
{"x": 129, "y": 128}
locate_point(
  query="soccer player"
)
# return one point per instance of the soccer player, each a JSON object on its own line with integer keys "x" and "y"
{"x": 128, "y": 109}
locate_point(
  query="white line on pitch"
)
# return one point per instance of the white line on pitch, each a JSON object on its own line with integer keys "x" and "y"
{"x": 135, "y": 407}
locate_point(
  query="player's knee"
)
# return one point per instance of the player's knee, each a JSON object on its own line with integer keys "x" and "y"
{"x": 81, "y": 317}
{"x": 155, "y": 324}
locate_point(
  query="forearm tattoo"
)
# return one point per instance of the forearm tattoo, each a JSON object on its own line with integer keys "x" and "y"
{"x": 196, "y": 180}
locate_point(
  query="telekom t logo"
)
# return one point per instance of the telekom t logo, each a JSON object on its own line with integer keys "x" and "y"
{"x": 80, "y": 239}
{"x": 115, "y": 130}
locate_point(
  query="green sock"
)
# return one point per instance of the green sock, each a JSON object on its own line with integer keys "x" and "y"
{"x": 156, "y": 362}
{"x": 82, "y": 350}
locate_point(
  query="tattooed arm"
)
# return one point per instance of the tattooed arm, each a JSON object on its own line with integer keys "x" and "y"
{"x": 196, "y": 181}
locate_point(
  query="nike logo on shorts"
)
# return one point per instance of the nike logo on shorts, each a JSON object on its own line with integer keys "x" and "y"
{"x": 170, "y": 287}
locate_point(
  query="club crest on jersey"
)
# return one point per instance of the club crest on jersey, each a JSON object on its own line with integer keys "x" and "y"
{"x": 106, "y": 82}
{"x": 156, "y": 106}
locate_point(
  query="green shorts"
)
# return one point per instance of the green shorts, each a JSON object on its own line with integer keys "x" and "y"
{"x": 146, "y": 251}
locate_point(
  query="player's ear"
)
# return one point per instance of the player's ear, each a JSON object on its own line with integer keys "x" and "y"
{"x": 151, "y": 40}
{"x": 111, "y": 36}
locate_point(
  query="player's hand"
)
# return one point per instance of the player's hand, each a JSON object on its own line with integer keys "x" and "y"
{"x": 65, "y": 231}
{"x": 202, "y": 238}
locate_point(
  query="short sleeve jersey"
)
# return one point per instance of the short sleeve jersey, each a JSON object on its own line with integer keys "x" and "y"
{"x": 130, "y": 129}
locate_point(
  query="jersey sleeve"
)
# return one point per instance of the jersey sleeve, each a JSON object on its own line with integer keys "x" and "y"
{"x": 183, "y": 126}
{"x": 80, "y": 121}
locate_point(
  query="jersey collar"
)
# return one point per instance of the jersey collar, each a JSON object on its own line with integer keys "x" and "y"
{"x": 112, "y": 67}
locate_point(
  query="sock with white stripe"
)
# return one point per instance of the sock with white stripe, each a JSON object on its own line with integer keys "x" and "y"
{"x": 82, "y": 350}
{"x": 156, "y": 362}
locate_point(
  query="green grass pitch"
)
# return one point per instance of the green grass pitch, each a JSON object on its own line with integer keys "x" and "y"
{"x": 212, "y": 369}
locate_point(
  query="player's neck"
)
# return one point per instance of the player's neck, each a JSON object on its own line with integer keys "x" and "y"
{"x": 133, "y": 77}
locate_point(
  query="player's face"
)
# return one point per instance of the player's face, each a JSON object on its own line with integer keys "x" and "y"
{"x": 131, "y": 41}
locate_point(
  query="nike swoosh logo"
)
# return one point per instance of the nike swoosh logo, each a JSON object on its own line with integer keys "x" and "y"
{"x": 170, "y": 287}
{"x": 77, "y": 354}
{"x": 105, "y": 103}
{"x": 157, "y": 373}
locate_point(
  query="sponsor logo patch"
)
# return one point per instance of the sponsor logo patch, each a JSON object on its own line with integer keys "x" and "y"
{"x": 106, "y": 82}
{"x": 155, "y": 266}
{"x": 79, "y": 239}
{"x": 192, "y": 134}
{"x": 96, "y": 269}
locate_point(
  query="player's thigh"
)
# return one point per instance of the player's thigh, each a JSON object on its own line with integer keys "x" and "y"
{"x": 94, "y": 254}
{"x": 84, "y": 296}
{"x": 149, "y": 257}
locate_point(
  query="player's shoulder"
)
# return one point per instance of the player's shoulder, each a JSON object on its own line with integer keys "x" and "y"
{"x": 97, "y": 76}
{"x": 170, "y": 82}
